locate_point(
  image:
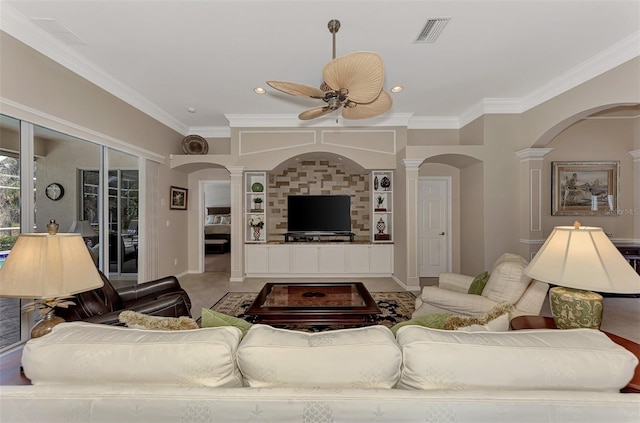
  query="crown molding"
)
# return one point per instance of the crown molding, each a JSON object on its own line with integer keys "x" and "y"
{"x": 619, "y": 53}
{"x": 434, "y": 122}
{"x": 21, "y": 28}
{"x": 211, "y": 131}
{"x": 292, "y": 121}
{"x": 624, "y": 50}
{"x": 18, "y": 26}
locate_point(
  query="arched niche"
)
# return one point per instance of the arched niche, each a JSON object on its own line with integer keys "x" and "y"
{"x": 609, "y": 132}
{"x": 610, "y": 111}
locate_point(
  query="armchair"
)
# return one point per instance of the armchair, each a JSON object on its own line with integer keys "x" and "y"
{"x": 507, "y": 284}
{"x": 162, "y": 297}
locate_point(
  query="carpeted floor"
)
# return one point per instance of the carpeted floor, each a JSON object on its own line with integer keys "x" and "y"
{"x": 396, "y": 307}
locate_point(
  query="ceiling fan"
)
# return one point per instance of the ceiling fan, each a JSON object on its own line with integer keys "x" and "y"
{"x": 352, "y": 83}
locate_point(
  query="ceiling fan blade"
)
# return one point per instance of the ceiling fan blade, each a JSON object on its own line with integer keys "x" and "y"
{"x": 375, "y": 108}
{"x": 361, "y": 73}
{"x": 300, "y": 90}
{"x": 315, "y": 112}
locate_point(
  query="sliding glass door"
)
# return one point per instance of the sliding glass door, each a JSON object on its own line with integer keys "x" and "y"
{"x": 95, "y": 184}
{"x": 10, "y": 316}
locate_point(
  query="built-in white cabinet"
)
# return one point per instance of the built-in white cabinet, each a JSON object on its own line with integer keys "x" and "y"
{"x": 255, "y": 199}
{"x": 293, "y": 260}
{"x": 382, "y": 206}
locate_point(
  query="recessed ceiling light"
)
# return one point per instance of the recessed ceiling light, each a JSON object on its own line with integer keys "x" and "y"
{"x": 397, "y": 89}
{"x": 259, "y": 90}
{"x": 192, "y": 110}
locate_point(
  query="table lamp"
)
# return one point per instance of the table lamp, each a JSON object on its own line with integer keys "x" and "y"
{"x": 50, "y": 267}
{"x": 579, "y": 260}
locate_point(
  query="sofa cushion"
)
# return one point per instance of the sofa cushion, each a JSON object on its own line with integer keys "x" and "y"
{"x": 433, "y": 320}
{"x": 507, "y": 281}
{"x": 366, "y": 358}
{"x": 495, "y": 320}
{"x": 578, "y": 359}
{"x": 136, "y": 320}
{"x": 212, "y": 319}
{"x": 478, "y": 283}
{"x": 85, "y": 353}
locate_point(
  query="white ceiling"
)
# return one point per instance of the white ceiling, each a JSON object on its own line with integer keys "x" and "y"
{"x": 167, "y": 56}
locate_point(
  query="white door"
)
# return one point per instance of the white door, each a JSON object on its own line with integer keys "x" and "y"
{"x": 433, "y": 226}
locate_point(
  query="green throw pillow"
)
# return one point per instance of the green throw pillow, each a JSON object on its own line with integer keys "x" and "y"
{"x": 434, "y": 321}
{"x": 478, "y": 283}
{"x": 212, "y": 319}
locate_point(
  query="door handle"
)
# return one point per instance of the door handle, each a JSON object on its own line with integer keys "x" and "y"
{"x": 441, "y": 233}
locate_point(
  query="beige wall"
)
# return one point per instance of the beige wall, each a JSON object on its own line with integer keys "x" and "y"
{"x": 492, "y": 205}
{"x": 38, "y": 90}
{"x": 596, "y": 140}
{"x": 472, "y": 218}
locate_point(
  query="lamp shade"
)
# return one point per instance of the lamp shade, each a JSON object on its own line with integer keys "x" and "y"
{"x": 583, "y": 257}
{"x": 45, "y": 266}
{"x": 82, "y": 227}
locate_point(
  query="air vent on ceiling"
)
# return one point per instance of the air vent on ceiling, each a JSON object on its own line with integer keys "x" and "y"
{"x": 59, "y": 31}
{"x": 432, "y": 30}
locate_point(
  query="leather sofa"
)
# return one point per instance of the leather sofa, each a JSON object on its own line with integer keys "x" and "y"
{"x": 161, "y": 297}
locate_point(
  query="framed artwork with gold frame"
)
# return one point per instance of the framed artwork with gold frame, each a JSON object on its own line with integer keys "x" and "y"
{"x": 584, "y": 188}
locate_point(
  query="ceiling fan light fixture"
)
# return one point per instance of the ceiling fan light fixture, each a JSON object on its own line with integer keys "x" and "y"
{"x": 352, "y": 82}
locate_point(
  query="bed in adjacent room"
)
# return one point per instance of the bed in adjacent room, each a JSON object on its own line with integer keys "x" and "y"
{"x": 217, "y": 226}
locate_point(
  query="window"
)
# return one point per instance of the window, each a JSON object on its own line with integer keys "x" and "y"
{"x": 10, "y": 316}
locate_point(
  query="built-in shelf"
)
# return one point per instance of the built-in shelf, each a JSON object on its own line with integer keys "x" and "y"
{"x": 290, "y": 260}
{"x": 255, "y": 206}
{"x": 382, "y": 206}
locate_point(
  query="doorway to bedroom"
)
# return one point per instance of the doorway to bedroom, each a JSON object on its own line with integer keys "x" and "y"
{"x": 217, "y": 226}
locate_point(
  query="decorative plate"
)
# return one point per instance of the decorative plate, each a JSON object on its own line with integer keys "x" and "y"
{"x": 257, "y": 187}
{"x": 195, "y": 144}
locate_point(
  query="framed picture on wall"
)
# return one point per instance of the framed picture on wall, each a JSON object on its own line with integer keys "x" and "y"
{"x": 584, "y": 188}
{"x": 178, "y": 198}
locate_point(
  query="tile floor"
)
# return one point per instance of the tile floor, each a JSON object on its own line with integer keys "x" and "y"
{"x": 621, "y": 315}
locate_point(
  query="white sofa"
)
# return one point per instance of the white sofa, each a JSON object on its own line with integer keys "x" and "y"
{"x": 95, "y": 373}
{"x": 507, "y": 284}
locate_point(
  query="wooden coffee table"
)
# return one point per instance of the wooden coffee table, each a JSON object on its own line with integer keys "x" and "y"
{"x": 315, "y": 304}
{"x": 542, "y": 322}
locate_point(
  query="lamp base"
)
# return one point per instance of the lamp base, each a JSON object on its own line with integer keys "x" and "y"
{"x": 45, "y": 325}
{"x": 574, "y": 308}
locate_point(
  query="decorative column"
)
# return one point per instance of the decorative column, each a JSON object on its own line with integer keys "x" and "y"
{"x": 408, "y": 254}
{"x": 237, "y": 224}
{"x": 531, "y": 184}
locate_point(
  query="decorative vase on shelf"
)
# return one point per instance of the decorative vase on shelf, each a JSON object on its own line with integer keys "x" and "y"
{"x": 256, "y": 233}
{"x": 385, "y": 183}
{"x": 375, "y": 183}
{"x": 381, "y": 226}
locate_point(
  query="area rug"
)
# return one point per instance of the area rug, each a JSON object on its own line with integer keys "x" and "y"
{"x": 396, "y": 307}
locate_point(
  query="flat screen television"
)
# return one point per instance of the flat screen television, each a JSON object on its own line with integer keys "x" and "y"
{"x": 319, "y": 213}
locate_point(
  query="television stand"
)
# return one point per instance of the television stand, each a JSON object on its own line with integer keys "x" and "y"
{"x": 319, "y": 236}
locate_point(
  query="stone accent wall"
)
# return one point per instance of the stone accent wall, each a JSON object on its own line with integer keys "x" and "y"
{"x": 318, "y": 177}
